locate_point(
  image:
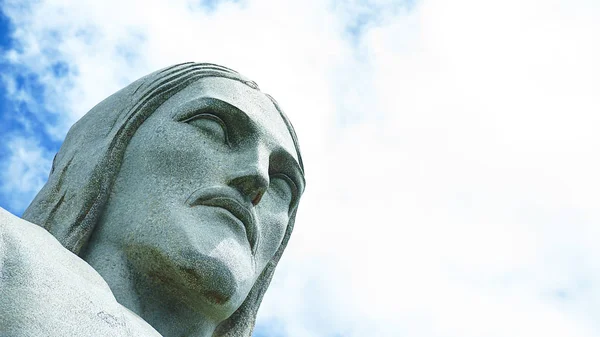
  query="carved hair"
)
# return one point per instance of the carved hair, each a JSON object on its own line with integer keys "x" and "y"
{"x": 70, "y": 204}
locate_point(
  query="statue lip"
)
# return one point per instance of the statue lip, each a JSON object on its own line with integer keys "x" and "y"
{"x": 229, "y": 200}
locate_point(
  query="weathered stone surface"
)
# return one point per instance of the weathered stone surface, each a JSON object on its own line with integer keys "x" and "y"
{"x": 173, "y": 198}
{"x": 49, "y": 291}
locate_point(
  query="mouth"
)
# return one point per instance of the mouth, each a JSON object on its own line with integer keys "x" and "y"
{"x": 227, "y": 200}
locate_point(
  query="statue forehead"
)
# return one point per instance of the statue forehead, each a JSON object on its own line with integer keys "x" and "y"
{"x": 259, "y": 108}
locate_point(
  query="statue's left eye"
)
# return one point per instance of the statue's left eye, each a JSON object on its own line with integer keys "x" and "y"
{"x": 282, "y": 187}
{"x": 211, "y": 125}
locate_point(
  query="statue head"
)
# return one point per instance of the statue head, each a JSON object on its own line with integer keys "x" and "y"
{"x": 194, "y": 174}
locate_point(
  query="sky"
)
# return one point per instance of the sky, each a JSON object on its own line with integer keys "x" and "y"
{"x": 450, "y": 147}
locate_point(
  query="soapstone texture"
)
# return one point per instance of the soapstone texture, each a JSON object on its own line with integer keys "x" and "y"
{"x": 167, "y": 209}
{"x": 49, "y": 291}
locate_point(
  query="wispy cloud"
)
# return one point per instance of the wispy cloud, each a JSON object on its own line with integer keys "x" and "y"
{"x": 450, "y": 147}
{"x": 24, "y": 171}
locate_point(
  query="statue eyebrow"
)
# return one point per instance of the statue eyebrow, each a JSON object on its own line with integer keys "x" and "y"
{"x": 206, "y": 104}
{"x": 237, "y": 122}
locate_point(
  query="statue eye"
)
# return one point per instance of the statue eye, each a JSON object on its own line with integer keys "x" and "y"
{"x": 282, "y": 187}
{"x": 211, "y": 125}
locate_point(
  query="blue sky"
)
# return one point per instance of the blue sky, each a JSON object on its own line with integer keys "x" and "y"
{"x": 19, "y": 116}
{"x": 9, "y": 108}
{"x": 5, "y": 105}
{"x": 451, "y": 148}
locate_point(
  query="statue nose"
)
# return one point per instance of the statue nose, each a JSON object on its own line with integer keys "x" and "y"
{"x": 252, "y": 184}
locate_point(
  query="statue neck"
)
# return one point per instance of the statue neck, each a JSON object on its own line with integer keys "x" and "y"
{"x": 151, "y": 298}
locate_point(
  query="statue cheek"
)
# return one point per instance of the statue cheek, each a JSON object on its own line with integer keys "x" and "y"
{"x": 272, "y": 229}
{"x": 169, "y": 154}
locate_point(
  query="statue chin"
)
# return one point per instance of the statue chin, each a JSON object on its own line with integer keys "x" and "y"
{"x": 205, "y": 283}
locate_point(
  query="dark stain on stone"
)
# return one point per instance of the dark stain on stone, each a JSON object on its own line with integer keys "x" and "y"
{"x": 110, "y": 319}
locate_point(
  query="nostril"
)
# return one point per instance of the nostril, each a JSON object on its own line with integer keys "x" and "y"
{"x": 257, "y": 198}
{"x": 251, "y": 186}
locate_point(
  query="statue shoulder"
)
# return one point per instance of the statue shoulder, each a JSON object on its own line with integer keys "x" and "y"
{"x": 28, "y": 245}
{"x": 44, "y": 283}
{"x": 13, "y": 234}
{"x": 13, "y": 230}
{"x": 21, "y": 240}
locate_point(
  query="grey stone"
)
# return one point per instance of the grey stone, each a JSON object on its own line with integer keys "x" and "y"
{"x": 168, "y": 207}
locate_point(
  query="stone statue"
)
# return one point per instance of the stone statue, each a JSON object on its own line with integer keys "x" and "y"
{"x": 166, "y": 211}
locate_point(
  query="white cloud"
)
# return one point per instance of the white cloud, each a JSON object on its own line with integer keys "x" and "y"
{"x": 24, "y": 170}
{"x": 450, "y": 148}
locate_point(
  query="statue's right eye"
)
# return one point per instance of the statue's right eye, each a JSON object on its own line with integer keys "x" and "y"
{"x": 211, "y": 125}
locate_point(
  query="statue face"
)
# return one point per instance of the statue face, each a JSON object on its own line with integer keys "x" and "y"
{"x": 204, "y": 193}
